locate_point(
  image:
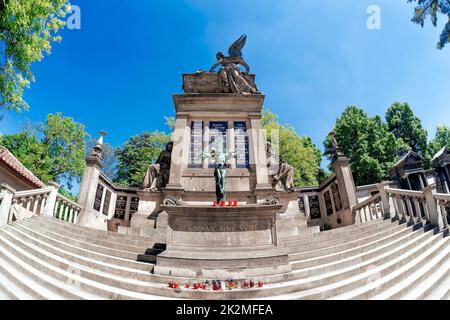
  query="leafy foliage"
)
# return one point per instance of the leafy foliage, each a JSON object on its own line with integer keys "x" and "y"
{"x": 367, "y": 142}
{"x": 298, "y": 151}
{"x": 27, "y": 30}
{"x": 31, "y": 152}
{"x": 425, "y": 8}
{"x": 58, "y": 155}
{"x": 440, "y": 140}
{"x": 136, "y": 154}
{"x": 405, "y": 125}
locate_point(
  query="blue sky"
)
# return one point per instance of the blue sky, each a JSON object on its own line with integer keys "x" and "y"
{"x": 311, "y": 59}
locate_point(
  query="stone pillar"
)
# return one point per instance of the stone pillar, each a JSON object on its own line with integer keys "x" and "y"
{"x": 179, "y": 153}
{"x": 231, "y": 146}
{"x": 258, "y": 154}
{"x": 306, "y": 204}
{"x": 49, "y": 207}
{"x": 7, "y": 194}
{"x": 89, "y": 182}
{"x": 346, "y": 183}
{"x": 433, "y": 211}
{"x": 206, "y": 143}
{"x": 88, "y": 188}
{"x": 388, "y": 207}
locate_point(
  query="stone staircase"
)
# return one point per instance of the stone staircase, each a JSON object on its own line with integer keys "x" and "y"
{"x": 46, "y": 258}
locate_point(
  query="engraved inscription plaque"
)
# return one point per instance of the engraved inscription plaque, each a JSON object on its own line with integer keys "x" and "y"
{"x": 314, "y": 207}
{"x": 98, "y": 197}
{"x": 121, "y": 205}
{"x": 328, "y": 203}
{"x": 107, "y": 203}
{"x": 241, "y": 144}
{"x": 195, "y": 156}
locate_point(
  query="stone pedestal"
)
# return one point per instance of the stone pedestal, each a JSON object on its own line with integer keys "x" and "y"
{"x": 222, "y": 242}
{"x": 144, "y": 221}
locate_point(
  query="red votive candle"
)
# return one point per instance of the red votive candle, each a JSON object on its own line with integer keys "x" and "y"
{"x": 235, "y": 203}
{"x": 222, "y": 204}
{"x": 215, "y": 204}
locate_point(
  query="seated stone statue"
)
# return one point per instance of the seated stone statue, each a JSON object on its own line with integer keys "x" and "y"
{"x": 284, "y": 175}
{"x": 157, "y": 175}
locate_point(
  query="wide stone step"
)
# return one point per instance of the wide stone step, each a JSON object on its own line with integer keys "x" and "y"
{"x": 26, "y": 243}
{"x": 97, "y": 277}
{"x": 343, "y": 280}
{"x": 53, "y": 223}
{"x": 69, "y": 247}
{"x": 14, "y": 288}
{"x": 350, "y": 239}
{"x": 35, "y": 281}
{"x": 412, "y": 238}
{"x": 337, "y": 233}
{"x": 63, "y": 272}
{"x": 381, "y": 243}
{"x": 438, "y": 283}
{"x": 86, "y": 244}
{"x": 70, "y": 268}
{"x": 395, "y": 284}
{"x": 95, "y": 231}
{"x": 86, "y": 238}
{"x": 342, "y": 247}
{"x": 420, "y": 278}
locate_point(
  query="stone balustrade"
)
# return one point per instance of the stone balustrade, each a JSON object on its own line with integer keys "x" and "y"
{"x": 443, "y": 205}
{"x": 19, "y": 205}
{"x": 66, "y": 209}
{"x": 427, "y": 206}
{"x": 409, "y": 205}
{"x": 369, "y": 210}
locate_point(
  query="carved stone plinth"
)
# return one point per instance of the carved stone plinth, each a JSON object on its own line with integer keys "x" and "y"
{"x": 204, "y": 82}
{"x": 222, "y": 242}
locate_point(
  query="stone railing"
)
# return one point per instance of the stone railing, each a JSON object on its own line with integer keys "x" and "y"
{"x": 369, "y": 210}
{"x": 409, "y": 205}
{"x": 18, "y": 205}
{"x": 25, "y": 204}
{"x": 443, "y": 205}
{"x": 66, "y": 209}
{"x": 427, "y": 206}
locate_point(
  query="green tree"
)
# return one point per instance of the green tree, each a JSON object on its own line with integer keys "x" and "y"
{"x": 440, "y": 140}
{"x": 372, "y": 149}
{"x": 31, "y": 152}
{"x": 136, "y": 154}
{"x": 54, "y": 150}
{"x": 403, "y": 124}
{"x": 425, "y": 8}
{"x": 27, "y": 30}
{"x": 298, "y": 151}
{"x": 64, "y": 140}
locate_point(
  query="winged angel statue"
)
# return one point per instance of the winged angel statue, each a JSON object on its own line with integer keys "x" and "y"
{"x": 232, "y": 77}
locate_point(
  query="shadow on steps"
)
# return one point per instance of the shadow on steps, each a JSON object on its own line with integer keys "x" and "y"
{"x": 151, "y": 253}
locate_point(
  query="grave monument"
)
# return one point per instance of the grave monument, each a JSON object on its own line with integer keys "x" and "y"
{"x": 219, "y": 152}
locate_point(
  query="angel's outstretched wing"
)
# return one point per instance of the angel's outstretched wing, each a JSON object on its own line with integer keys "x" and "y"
{"x": 236, "y": 47}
